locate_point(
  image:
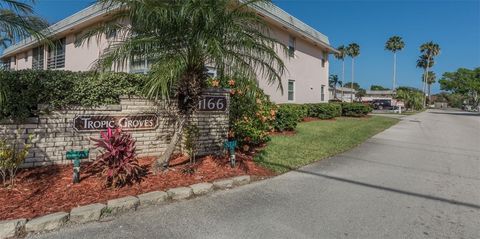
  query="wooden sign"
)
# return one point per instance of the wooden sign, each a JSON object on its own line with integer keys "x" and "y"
{"x": 86, "y": 123}
{"x": 210, "y": 103}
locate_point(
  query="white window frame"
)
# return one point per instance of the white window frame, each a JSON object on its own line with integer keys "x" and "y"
{"x": 56, "y": 60}
{"x": 38, "y": 62}
{"x": 293, "y": 91}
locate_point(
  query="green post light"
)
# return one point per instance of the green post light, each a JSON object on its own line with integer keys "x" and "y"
{"x": 230, "y": 145}
{"x": 76, "y": 156}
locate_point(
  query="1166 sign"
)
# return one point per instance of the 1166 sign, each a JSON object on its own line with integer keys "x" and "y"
{"x": 213, "y": 103}
{"x": 85, "y": 123}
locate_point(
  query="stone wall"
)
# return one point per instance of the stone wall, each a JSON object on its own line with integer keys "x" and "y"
{"x": 54, "y": 134}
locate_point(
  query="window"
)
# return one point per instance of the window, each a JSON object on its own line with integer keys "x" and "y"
{"x": 38, "y": 58}
{"x": 211, "y": 72}
{"x": 322, "y": 92}
{"x": 324, "y": 60}
{"x": 291, "y": 90}
{"x": 56, "y": 55}
{"x": 139, "y": 65}
{"x": 5, "y": 64}
{"x": 291, "y": 46}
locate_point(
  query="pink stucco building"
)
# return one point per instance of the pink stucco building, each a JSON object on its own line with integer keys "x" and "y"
{"x": 306, "y": 79}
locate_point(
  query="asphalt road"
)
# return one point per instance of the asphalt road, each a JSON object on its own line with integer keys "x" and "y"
{"x": 418, "y": 179}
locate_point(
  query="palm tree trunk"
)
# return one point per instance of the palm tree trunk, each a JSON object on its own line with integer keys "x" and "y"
{"x": 164, "y": 160}
{"x": 394, "y": 71}
{"x": 353, "y": 78}
{"x": 429, "y": 94}
{"x": 343, "y": 75}
{"x": 425, "y": 83}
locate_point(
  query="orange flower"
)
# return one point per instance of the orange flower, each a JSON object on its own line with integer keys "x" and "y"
{"x": 215, "y": 83}
{"x": 240, "y": 92}
{"x": 263, "y": 119}
{"x": 231, "y": 134}
{"x": 232, "y": 92}
{"x": 231, "y": 82}
{"x": 247, "y": 139}
{"x": 273, "y": 113}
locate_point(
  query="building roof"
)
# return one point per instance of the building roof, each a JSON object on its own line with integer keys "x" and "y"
{"x": 96, "y": 10}
{"x": 379, "y": 92}
{"x": 344, "y": 89}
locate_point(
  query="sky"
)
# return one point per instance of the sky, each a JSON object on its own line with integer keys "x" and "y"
{"x": 453, "y": 24}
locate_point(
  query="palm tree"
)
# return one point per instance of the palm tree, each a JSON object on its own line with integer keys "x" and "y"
{"x": 353, "y": 50}
{"x": 429, "y": 50}
{"x": 394, "y": 44}
{"x": 17, "y": 21}
{"x": 333, "y": 82}
{"x": 180, "y": 38}
{"x": 431, "y": 79}
{"x": 340, "y": 55}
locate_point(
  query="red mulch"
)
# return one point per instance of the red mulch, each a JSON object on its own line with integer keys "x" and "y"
{"x": 310, "y": 119}
{"x": 45, "y": 190}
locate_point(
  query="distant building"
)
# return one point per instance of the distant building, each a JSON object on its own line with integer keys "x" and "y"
{"x": 306, "y": 80}
{"x": 372, "y": 95}
{"x": 343, "y": 94}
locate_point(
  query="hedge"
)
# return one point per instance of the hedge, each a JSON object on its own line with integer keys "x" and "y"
{"x": 289, "y": 115}
{"x": 324, "y": 110}
{"x": 355, "y": 109}
{"x": 26, "y": 89}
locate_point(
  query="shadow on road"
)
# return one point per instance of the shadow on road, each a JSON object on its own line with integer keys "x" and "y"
{"x": 378, "y": 187}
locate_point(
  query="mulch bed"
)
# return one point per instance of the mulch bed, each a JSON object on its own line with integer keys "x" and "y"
{"x": 45, "y": 190}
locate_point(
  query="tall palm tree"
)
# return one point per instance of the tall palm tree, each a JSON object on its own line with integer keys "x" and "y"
{"x": 353, "y": 50}
{"x": 429, "y": 50}
{"x": 18, "y": 20}
{"x": 180, "y": 38}
{"x": 431, "y": 79}
{"x": 333, "y": 81}
{"x": 394, "y": 44}
{"x": 340, "y": 55}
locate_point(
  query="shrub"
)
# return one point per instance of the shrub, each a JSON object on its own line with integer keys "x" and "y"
{"x": 355, "y": 109}
{"x": 11, "y": 157}
{"x": 252, "y": 114}
{"x": 117, "y": 161}
{"x": 288, "y": 116}
{"x": 324, "y": 110}
{"x": 25, "y": 89}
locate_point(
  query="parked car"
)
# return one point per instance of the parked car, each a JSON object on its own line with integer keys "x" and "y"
{"x": 382, "y": 105}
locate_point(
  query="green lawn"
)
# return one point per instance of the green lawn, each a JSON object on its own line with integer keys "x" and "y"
{"x": 318, "y": 140}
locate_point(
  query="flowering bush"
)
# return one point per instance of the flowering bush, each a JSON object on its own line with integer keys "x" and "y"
{"x": 252, "y": 114}
{"x": 117, "y": 160}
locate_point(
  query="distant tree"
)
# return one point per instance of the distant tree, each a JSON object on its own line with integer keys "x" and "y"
{"x": 429, "y": 51}
{"x": 353, "y": 51}
{"x": 454, "y": 100}
{"x": 394, "y": 44}
{"x": 355, "y": 85}
{"x": 378, "y": 87}
{"x": 333, "y": 81}
{"x": 340, "y": 55}
{"x": 412, "y": 97}
{"x": 431, "y": 79}
{"x": 360, "y": 94}
{"x": 464, "y": 82}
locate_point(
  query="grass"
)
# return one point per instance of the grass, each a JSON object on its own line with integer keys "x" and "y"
{"x": 318, "y": 140}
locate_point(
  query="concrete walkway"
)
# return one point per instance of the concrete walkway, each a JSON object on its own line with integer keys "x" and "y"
{"x": 419, "y": 179}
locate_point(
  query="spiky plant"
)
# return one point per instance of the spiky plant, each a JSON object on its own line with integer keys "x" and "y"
{"x": 180, "y": 37}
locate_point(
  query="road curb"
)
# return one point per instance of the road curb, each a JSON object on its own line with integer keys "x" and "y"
{"x": 55, "y": 221}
